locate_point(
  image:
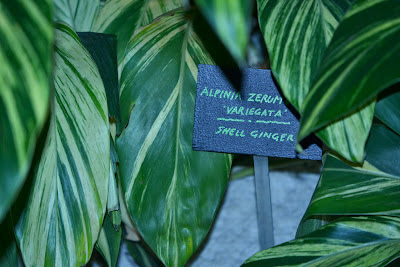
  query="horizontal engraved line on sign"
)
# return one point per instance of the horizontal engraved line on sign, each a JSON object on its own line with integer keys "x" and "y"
{"x": 275, "y": 122}
{"x": 223, "y": 119}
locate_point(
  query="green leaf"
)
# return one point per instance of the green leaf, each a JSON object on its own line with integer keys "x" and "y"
{"x": 142, "y": 256}
{"x": 123, "y": 17}
{"x": 113, "y": 200}
{"x": 297, "y": 34}
{"x": 388, "y": 110}
{"x": 109, "y": 242}
{"x": 68, "y": 194}
{"x": 360, "y": 61}
{"x": 80, "y": 15}
{"x": 352, "y": 241}
{"x": 171, "y": 191}
{"x": 231, "y": 20}
{"x": 8, "y": 246}
{"x": 347, "y": 136}
{"x": 103, "y": 49}
{"x": 312, "y": 224}
{"x": 25, "y": 75}
{"x": 372, "y": 189}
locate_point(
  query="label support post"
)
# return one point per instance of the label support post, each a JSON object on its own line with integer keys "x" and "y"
{"x": 264, "y": 206}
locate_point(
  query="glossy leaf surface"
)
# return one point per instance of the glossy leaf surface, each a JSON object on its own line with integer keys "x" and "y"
{"x": 373, "y": 189}
{"x": 297, "y": 34}
{"x": 67, "y": 200}
{"x": 123, "y": 17}
{"x": 79, "y": 14}
{"x": 171, "y": 191}
{"x": 25, "y": 76}
{"x": 352, "y": 241}
{"x": 360, "y": 61}
{"x": 231, "y": 20}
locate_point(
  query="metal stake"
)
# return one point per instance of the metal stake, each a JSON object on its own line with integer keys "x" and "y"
{"x": 264, "y": 207}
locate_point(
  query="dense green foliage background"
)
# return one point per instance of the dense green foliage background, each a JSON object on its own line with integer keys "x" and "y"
{"x": 96, "y": 128}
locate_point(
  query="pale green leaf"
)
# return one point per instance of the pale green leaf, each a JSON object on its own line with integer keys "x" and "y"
{"x": 25, "y": 76}
{"x": 231, "y": 20}
{"x": 67, "y": 201}
{"x": 351, "y": 241}
{"x": 123, "y": 17}
{"x": 113, "y": 200}
{"x": 361, "y": 61}
{"x": 171, "y": 191}
{"x": 79, "y": 14}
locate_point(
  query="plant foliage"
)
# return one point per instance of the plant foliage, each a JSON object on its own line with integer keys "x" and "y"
{"x": 116, "y": 147}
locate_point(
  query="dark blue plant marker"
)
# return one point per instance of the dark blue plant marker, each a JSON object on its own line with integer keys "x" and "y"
{"x": 243, "y": 112}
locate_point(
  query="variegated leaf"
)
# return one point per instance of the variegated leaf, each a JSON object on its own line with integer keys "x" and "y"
{"x": 171, "y": 191}
{"x": 231, "y": 20}
{"x": 351, "y": 241}
{"x": 67, "y": 200}
{"x": 297, "y": 34}
{"x": 123, "y": 17}
{"x": 109, "y": 239}
{"x": 370, "y": 189}
{"x": 25, "y": 76}
{"x": 361, "y": 61}
{"x": 347, "y": 136}
{"x": 79, "y": 14}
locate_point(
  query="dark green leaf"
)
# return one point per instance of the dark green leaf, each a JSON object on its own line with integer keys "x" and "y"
{"x": 67, "y": 200}
{"x": 25, "y": 76}
{"x": 352, "y": 241}
{"x": 142, "y": 256}
{"x": 109, "y": 242}
{"x": 8, "y": 246}
{"x": 361, "y": 61}
{"x": 231, "y": 20}
{"x": 103, "y": 49}
{"x": 171, "y": 191}
{"x": 388, "y": 110}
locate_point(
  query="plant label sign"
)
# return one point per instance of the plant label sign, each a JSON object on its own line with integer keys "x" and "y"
{"x": 254, "y": 120}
